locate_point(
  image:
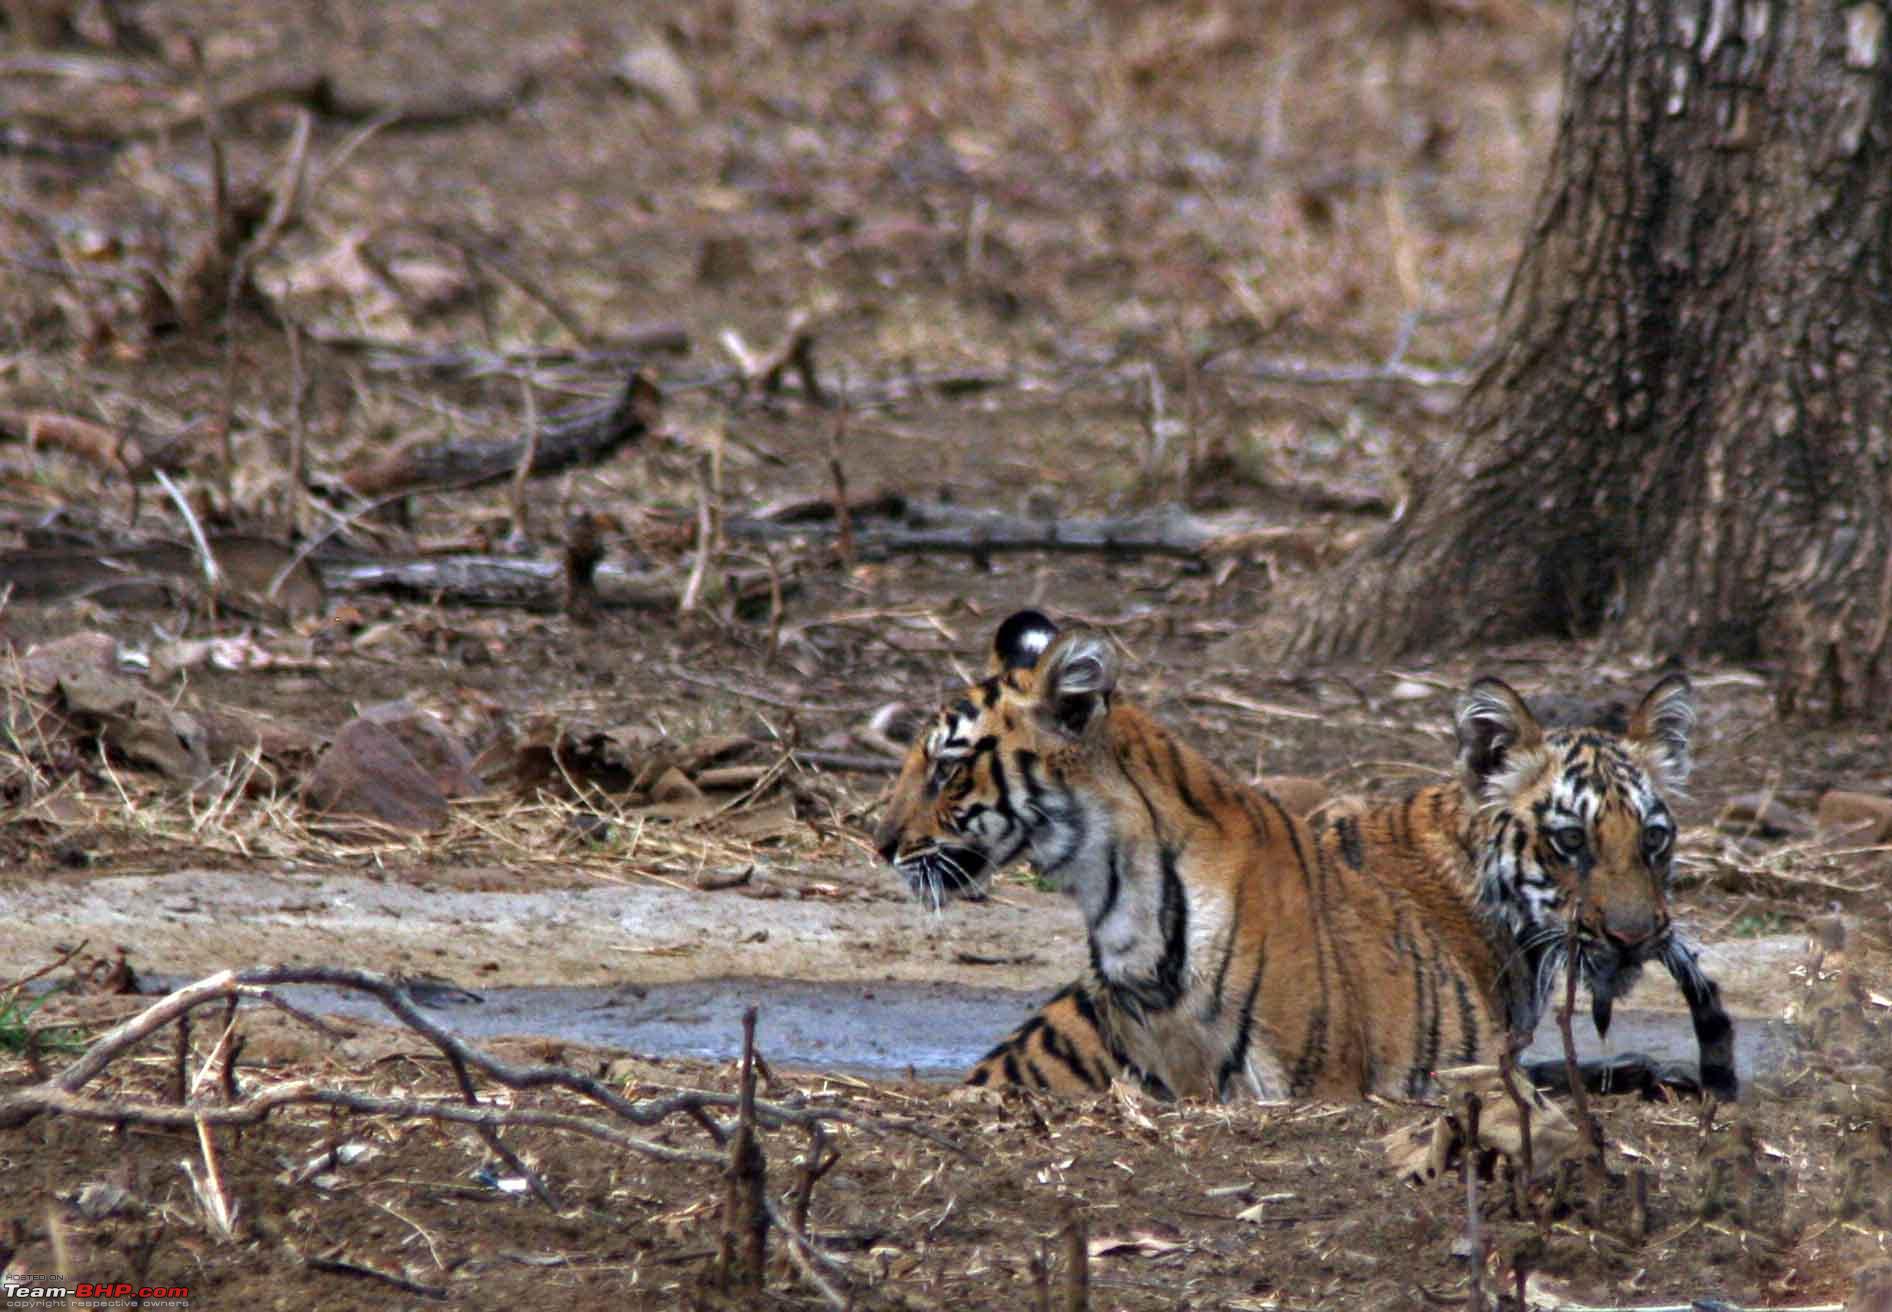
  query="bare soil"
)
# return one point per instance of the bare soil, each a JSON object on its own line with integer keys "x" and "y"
{"x": 1057, "y": 259}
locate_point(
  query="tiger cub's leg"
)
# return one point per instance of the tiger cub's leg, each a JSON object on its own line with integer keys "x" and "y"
{"x": 1714, "y": 1031}
{"x": 1064, "y": 1048}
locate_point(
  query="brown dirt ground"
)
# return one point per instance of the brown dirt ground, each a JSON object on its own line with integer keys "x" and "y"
{"x": 1057, "y": 195}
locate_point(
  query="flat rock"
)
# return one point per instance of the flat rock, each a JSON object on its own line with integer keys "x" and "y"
{"x": 369, "y": 772}
{"x": 1761, "y": 815}
{"x": 1857, "y": 817}
{"x": 434, "y": 746}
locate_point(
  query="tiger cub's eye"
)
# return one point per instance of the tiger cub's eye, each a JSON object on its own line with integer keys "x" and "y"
{"x": 1567, "y": 840}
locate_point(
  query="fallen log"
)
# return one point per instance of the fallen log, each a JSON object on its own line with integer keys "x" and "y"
{"x": 536, "y": 585}
{"x": 939, "y": 526}
{"x": 583, "y": 436}
{"x": 624, "y": 348}
{"x": 261, "y": 576}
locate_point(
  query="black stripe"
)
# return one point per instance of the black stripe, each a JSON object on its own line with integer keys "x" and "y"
{"x": 1431, "y": 1011}
{"x": 1164, "y": 988}
{"x": 1115, "y": 888}
{"x": 1182, "y": 784}
{"x": 1418, "y": 1074}
{"x": 1294, "y": 840}
{"x": 1228, "y": 953}
{"x": 1173, "y": 915}
{"x": 1060, "y": 1047}
{"x": 1468, "y": 1019}
{"x": 1081, "y": 999}
{"x": 1352, "y": 850}
{"x": 1001, "y": 788}
{"x": 1154, "y": 1084}
{"x": 1314, "y": 1051}
{"x": 1308, "y": 1064}
{"x": 1237, "y": 1057}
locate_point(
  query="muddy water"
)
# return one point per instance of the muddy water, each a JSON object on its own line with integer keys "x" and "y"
{"x": 931, "y": 1031}
{"x": 866, "y": 983}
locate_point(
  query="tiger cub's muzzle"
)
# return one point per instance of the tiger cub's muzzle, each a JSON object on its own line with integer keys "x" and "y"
{"x": 936, "y": 872}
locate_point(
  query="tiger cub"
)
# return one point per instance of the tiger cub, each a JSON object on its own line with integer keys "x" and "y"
{"x": 1239, "y": 950}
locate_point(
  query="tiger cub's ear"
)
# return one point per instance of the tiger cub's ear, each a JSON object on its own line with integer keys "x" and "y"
{"x": 1075, "y": 680}
{"x": 1663, "y": 724}
{"x": 1493, "y": 725}
{"x": 1020, "y": 641}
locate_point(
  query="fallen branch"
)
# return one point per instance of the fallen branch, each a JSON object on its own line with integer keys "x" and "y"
{"x": 131, "y": 455}
{"x": 61, "y": 1093}
{"x": 624, "y": 348}
{"x": 742, "y": 1253}
{"x": 800, "y": 1252}
{"x": 584, "y": 437}
{"x": 1392, "y": 371}
{"x": 256, "y": 1108}
{"x": 343, "y": 1267}
{"x": 1573, "y": 1069}
{"x": 965, "y": 530}
{"x": 539, "y": 585}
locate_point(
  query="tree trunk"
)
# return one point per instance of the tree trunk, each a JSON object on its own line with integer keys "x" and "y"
{"x": 1683, "y": 438}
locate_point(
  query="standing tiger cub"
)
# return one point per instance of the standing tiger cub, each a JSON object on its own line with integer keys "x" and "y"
{"x": 1239, "y": 950}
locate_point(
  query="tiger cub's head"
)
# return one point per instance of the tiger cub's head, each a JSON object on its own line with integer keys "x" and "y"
{"x": 1575, "y": 824}
{"x": 987, "y": 780}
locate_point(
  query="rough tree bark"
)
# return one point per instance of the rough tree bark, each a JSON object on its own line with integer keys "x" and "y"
{"x": 1683, "y": 440}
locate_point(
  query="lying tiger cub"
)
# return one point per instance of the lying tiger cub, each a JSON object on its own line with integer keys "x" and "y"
{"x": 1237, "y": 949}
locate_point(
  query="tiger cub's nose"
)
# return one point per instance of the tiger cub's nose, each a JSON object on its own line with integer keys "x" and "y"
{"x": 1632, "y": 929}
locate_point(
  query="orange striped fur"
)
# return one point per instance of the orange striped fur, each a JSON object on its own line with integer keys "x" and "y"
{"x": 1240, "y": 950}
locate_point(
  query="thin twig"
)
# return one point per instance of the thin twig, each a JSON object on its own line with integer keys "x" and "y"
{"x": 817, "y": 1164}
{"x": 16, "y": 985}
{"x": 1524, "y": 1173}
{"x": 528, "y": 453}
{"x": 800, "y": 1252}
{"x": 344, "y": 1267}
{"x": 1592, "y": 1132}
{"x": 843, "y": 520}
{"x": 1474, "y": 1232}
{"x": 1077, "y": 1268}
{"x": 59, "y": 1094}
{"x": 206, "y": 559}
{"x": 211, "y": 1194}
{"x": 298, "y": 441}
{"x": 705, "y": 542}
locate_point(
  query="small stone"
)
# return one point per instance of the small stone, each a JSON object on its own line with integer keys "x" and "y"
{"x": 367, "y": 771}
{"x": 674, "y": 786}
{"x": 1856, "y": 817}
{"x": 1761, "y": 815}
{"x": 653, "y": 70}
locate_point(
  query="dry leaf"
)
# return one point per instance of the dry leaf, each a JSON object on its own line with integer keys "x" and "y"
{"x": 1146, "y": 1241}
{"x": 1427, "y": 1149}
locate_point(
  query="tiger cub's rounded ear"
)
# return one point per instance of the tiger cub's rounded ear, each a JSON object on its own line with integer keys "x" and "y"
{"x": 1075, "y": 681}
{"x": 1663, "y": 723}
{"x": 1493, "y": 722}
{"x": 1021, "y": 640}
